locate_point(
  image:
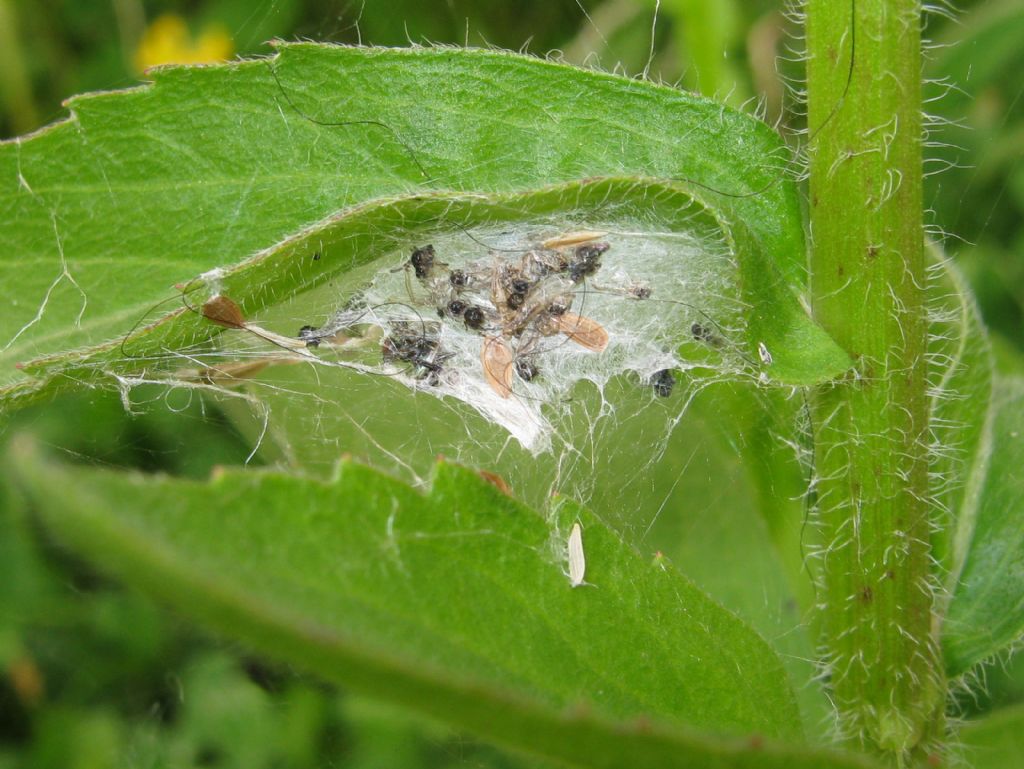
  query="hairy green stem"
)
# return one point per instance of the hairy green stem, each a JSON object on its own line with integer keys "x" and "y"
{"x": 868, "y": 276}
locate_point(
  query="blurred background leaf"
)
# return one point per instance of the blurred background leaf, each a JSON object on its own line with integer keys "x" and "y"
{"x": 977, "y": 184}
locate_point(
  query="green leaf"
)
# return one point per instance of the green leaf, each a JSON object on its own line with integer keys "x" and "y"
{"x": 454, "y": 603}
{"x": 986, "y": 613}
{"x": 961, "y": 382}
{"x": 731, "y": 517}
{"x": 700, "y": 502}
{"x": 961, "y": 371}
{"x": 223, "y": 167}
{"x": 996, "y": 741}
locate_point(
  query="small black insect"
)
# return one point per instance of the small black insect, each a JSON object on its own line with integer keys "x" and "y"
{"x": 526, "y": 369}
{"x": 520, "y": 285}
{"x": 402, "y": 344}
{"x": 308, "y": 335}
{"x": 422, "y": 261}
{"x": 586, "y": 261}
{"x": 515, "y": 301}
{"x": 458, "y": 279}
{"x": 663, "y": 381}
{"x": 474, "y": 317}
{"x": 640, "y": 292}
{"x": 456, "y": 307}
{"x": 409, "y": 345}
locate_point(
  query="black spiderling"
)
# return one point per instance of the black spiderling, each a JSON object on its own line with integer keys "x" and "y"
{"x": 473, "y": 317}
{"x": 422, "y": 261}
{"x": 526, "y": 369}
{"x": 663, "y": 382}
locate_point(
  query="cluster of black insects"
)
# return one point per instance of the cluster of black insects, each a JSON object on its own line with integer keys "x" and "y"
{"x": 513, "y": 303}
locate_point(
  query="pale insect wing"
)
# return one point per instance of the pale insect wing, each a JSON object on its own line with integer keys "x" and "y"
{"x": 498, "y": 297}
{"x": 583, "y": 331}
{"x": 577, "y": 561}
{"x": 570, "y": 239}
{"x": 285, "y": 342}
{"x": 496, "y": 357}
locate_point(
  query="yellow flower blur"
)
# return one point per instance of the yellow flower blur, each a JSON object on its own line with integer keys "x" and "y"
{"x": 168, "y": 41}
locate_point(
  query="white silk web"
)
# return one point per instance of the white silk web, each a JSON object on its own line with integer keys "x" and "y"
{"x": 552, "y": 351}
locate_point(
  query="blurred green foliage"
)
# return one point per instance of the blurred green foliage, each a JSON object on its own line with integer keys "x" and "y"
{"x": 977, "y": 186}
{"x": 93, "y": 675}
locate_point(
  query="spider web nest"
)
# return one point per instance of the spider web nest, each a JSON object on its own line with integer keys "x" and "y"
{"x": 550, "y": 351}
